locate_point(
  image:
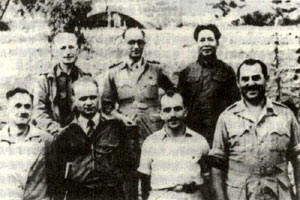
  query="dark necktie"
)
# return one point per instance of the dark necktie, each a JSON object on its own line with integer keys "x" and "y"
{"x": 91, "y": 127}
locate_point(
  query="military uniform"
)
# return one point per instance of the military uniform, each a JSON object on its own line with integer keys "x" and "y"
{"x": 257, "y": 153}
{"x": 135, "y": 91}
{"x": 208, "y": 88}
{"x": 52, "y": 102}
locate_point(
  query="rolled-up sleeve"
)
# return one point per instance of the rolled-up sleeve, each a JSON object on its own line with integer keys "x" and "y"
{"x": 220, "y": 140}
{"x": 146, "y": 158}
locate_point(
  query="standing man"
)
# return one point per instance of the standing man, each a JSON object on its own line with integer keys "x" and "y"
{"x": 254, "y": 140}
{"x": 24, "y": 151}
{"x": 172, "y": 155}
{"x": 131, "y": 94}
{"x": 90, "y": 151}
{"x": 208, "y": 85}
{"x": 53, "y": 90}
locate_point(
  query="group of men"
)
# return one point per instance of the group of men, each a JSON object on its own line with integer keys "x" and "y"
{"x": 214, "y": 135}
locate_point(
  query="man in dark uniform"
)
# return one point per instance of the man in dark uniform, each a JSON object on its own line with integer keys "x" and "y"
{"x": 131, "y": 94}
{"x": 90, "y": 151}
{"x": 208, "y": 84}
{"x": 53, "y": 90}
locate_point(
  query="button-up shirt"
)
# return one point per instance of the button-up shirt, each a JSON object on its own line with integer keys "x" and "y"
{"x": 208, "y": 89}
{"x": 22, "y": 165}
{"x": 83, "y": 122}
{"x": 249, "y": 145}
{"x": 173, "y": 160}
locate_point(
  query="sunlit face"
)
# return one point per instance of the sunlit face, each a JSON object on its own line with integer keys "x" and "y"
{"x": 207, "y": 43}
{"x": 252, "y": 82}
{"x": 86, "y": 99}
{"x": 173, "y": 111}
{"x": 19, "y": 109}
{"x": 65, "y": 48}
{"x": 135, "y": 43}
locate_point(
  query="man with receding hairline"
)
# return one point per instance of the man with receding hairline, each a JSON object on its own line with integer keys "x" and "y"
{"x": 90, "y": 151}
{"x": 131, "y": 94}
{"x": 255, "y": 138}
{"x": 53, "y": 89}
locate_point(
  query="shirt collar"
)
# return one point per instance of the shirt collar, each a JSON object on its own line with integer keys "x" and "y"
{"x": 188, "y": 133}
{"x": 129, "y": 64}
{"x": 82, "y": 121}
{"x": 242, "y": 109}
{"x": 6, "y": 136}
{"x": 57, "y": 71}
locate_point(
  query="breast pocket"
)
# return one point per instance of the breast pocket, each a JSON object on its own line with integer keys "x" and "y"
{"x": 279, "y": 139}
{"x": 149, "y": 90}
{"x": 125, "y": 91}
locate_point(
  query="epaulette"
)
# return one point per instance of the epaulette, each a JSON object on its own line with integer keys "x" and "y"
{"x": 115, "y": 65}
{"x": 279, "y": 104}
{"x": 153, "y": 62}
{"x": 232, "y": 106}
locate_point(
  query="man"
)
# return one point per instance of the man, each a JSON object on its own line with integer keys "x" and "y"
{"x": 23, "y": 152}
{"x": 172, "y": 155}
{"x": 254, "y": 140}
{"x": 53, "y": 90}
{"x": 91, "y": 152}
{"x": 133, "y": 85}
{"x": 208, "y": 84}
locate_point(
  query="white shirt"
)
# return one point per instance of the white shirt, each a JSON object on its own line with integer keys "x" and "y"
{"x": 173, "y": 160}
{"x": 83, "y": 122}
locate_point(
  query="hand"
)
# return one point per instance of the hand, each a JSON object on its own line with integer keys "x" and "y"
{"x": 128, "y": 121}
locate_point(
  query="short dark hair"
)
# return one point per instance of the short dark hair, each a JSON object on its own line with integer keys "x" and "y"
{"x": 171, "y": 93}
{"x": 210, "y": 27}
{"x": 13, "y": 92}
{"x": 251, "y": 62}
{"x": 124, "y": 33}
{"x": 79, "y": 36}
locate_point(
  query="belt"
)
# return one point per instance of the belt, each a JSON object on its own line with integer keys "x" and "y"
{"x": 261, "y": 170}
{"x": 186, "y": 188}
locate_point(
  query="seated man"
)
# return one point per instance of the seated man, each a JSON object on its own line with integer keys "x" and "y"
{"x": 23, "y": 151}
{"x": 172, "y": 155}
{"x": 90, "y": 151}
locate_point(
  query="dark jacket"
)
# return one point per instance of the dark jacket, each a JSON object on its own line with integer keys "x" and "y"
{"x": 207, "y": 88}
{"x": 98, "y": 161}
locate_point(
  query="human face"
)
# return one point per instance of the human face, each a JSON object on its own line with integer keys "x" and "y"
{"x": 66, "y": 48}
{"x": 252, "y": 83}
{"x": 173, "y": 111}
{"x": 86, "y": 99}
{"x": 19, "y": 109}
{"x": 207, "y": 43}
{"x": 135, "y": 42}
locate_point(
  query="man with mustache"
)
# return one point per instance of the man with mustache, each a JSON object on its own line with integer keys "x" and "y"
{"x": 171, "y": 156}
{"x": 255, "y": 138}
{"x": 24, "y": 152}
{"x": 131, "y": 94}
{"x": 90, "y": 151}
{"x": 208, "y": 84}
{"x": 53, "y": 89}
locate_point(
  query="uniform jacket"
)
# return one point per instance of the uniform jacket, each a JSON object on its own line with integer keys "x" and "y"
{"x": 98, "y": 161}
{"x": 207, "y": 89}
{"x": 46, "y": 114}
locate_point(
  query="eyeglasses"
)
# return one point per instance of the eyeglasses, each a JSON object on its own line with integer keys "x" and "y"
{"x": 138, "y": 42}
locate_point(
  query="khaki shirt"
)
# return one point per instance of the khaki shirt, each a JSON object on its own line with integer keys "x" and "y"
{"x": 249, "y": 146}
{"x": 135, "y": 91}
{"x": 22, "y": 165}
{"x": 173, "y": 160}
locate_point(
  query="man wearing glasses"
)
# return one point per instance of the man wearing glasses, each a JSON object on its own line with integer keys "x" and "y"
{"x": 131, "y": 94}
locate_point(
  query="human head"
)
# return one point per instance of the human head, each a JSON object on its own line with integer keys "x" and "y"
{"x": 19, "y": 106}
{"x": 173, "y": 111}
{"x": 65, "y": 47}
{"x": 207, "y": 38}
{"x": 86, "y": 97}
{"x": 252, "y": 76}
{"x": 135, "y": 42}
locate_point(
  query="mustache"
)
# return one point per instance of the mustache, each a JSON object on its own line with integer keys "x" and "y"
{"x": 24, "y": 115}
{"x": 253, "y": 87}
{"x": 172, "y": 119}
